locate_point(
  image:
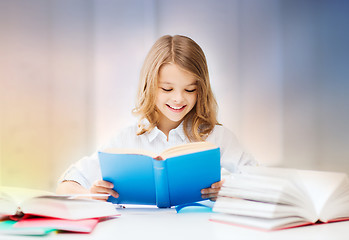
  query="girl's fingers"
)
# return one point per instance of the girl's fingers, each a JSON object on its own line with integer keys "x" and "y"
{"x": 102, "y": 183}
{"x": 215, "y": 187}
{"x": 212, "y": 197}
{"x": 101, "y": 198}
{"x": 114, "y": 194}
{"x": 218, "y": 184}
{"x": 103, "y": 190}
{"x": 210, "y": 190}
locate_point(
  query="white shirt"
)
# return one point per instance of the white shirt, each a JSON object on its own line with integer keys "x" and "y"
{"x": 87, "y": 170}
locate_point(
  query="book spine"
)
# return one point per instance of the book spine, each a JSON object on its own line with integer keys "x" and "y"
{"x": 161, "y": 184}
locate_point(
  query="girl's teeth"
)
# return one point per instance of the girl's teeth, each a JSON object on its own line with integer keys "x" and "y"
{"x": 176, "y": 108}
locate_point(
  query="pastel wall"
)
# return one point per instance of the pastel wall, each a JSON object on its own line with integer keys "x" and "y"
{"x": 69, "y": 72}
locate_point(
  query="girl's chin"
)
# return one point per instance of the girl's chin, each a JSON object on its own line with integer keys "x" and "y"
{"x": 174, "y": 119}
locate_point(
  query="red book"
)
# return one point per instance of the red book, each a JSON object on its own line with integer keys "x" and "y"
{"x": 81, "y": 226}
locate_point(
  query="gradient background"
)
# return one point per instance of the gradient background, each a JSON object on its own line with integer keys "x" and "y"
{"x": 69, "y": 72}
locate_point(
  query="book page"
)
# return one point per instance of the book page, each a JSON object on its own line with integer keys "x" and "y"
{"x": 11, "y": 198}
{"x": 68, "y": 208}
{"x": 263, "y": 188}
{"x": 170, "y": 152}
{"x": 321, "y": 186}
{"x": 130, "y": 151}
{"x": 260, "y": 223}
{"x": 257, "y": 209}
{"x": 291, "y": 175}
{"x": 288, "y": 174}
{"x": 8, "y": 206}
{"x": 187, "y": 149}
{"x": 19, "y": 195}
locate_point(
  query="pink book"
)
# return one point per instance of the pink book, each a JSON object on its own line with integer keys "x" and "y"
{"x": 82, "y": 226}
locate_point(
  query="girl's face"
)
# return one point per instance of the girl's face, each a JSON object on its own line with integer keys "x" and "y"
{"x": 176, "y": 95}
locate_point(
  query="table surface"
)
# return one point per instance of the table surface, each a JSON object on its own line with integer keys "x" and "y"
{"x": 167, "y": 224}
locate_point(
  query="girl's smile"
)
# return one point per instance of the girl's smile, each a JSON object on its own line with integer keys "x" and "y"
{"x": 176, "y": 109}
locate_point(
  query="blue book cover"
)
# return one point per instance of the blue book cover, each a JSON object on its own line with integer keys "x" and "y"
{"x": 175, "y": 177}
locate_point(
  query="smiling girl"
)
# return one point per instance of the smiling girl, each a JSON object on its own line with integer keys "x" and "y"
{"x": 175, "y": 106}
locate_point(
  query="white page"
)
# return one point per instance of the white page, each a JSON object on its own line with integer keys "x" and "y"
{"x": 21, "y": 194}
{"x": 320, "y": 186}
{"x": 259, "y": 223}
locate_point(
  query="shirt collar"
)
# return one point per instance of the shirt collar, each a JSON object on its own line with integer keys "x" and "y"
{"x": 180, "y": 131}
{"x": 153, "y": 134}
{"x": 156, "y": 132}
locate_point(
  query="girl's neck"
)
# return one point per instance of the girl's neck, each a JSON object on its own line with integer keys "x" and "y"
{"x": 167, "y": 126}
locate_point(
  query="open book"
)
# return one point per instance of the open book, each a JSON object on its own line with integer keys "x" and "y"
{"x": 174, "y": 177}
{"x": 277, "y": 198}
{"x": 19, "y": 201}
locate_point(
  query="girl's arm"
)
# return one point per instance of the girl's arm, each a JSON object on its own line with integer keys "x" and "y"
{"x": 71, "y": 187}
{"x": 99, "y": 187}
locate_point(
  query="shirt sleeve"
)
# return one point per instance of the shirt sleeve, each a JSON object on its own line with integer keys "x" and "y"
{"x": 85, "y": 172}
{"x": 233, "y": 155}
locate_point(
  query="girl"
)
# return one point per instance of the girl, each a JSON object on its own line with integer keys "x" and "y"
{"x": 175, "y": 106}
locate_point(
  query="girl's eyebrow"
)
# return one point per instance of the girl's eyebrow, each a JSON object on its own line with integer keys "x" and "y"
{"x": 169, "y": 83}
{"x": 164, "y": 82}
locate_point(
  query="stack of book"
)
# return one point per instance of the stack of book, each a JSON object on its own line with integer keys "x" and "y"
{"x": 278, "y": 198}
{"x": 34, "y": 212}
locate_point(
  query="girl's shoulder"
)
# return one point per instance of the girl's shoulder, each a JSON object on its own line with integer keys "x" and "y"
{"x": 129, "y": 130}
{"x": 221, "y": 133}
{"x": 122, "y": 137}
{"x": 221, "y": 130}
{"x": 127, "y": 133}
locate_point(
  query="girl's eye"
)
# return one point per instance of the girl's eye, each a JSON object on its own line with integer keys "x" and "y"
{"x": 166, "y": 89}
{"x": 192, "y": 90}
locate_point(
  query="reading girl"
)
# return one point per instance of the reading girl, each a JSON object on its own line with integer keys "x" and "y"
{"x": 175, "y": 106}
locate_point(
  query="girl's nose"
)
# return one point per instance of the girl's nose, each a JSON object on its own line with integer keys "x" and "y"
{"x": 177, "y": 97}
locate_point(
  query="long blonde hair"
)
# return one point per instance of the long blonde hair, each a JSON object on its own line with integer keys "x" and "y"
{"x": 188, "y": 55}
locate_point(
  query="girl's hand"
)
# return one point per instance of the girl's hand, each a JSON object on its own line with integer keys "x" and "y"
{"x": 212, "y": 192}
{"x": 103, "y": 187}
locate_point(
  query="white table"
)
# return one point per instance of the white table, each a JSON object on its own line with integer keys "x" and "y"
{"x": 168, "y": 225}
